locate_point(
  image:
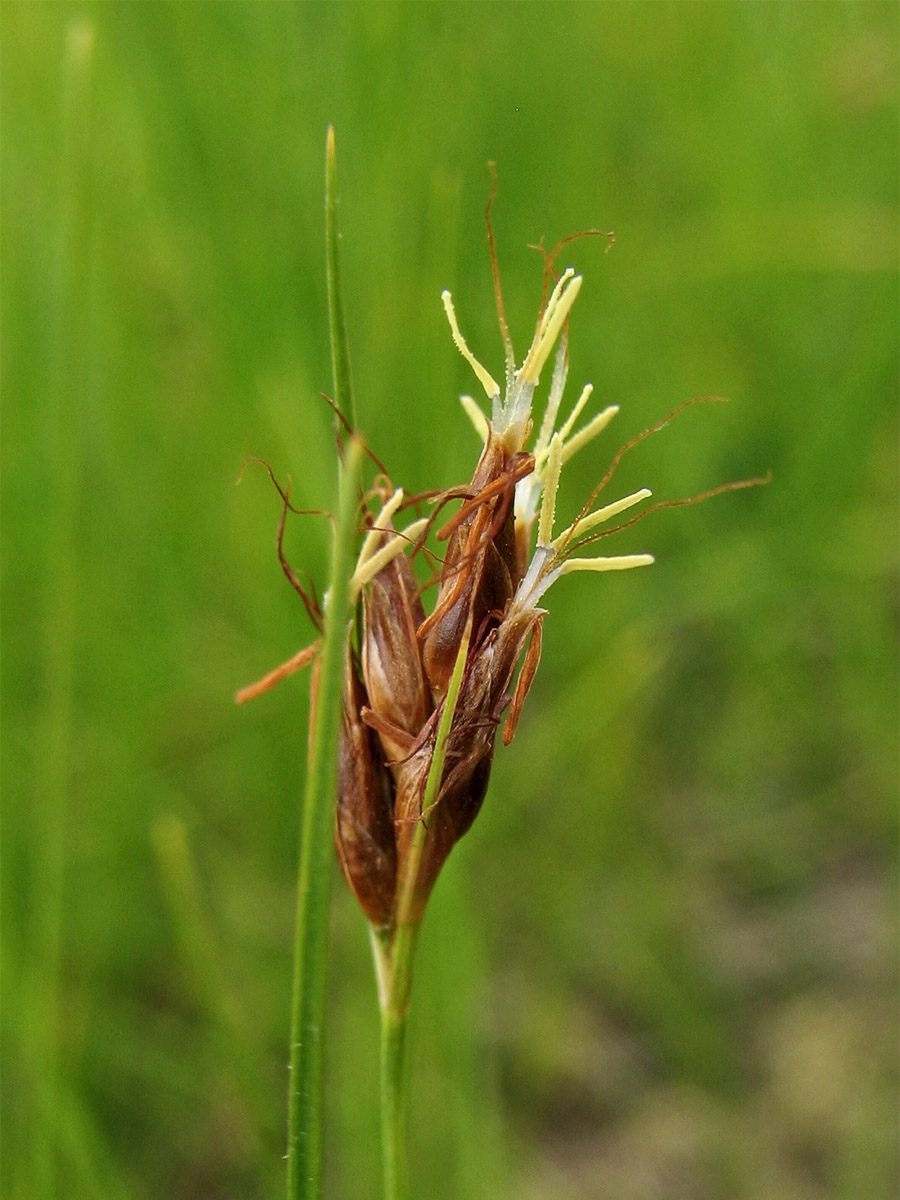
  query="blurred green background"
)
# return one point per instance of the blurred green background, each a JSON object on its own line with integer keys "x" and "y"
{"x": 663, "y": 963}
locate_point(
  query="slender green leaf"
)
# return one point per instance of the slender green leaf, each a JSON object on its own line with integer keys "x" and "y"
{"x": 310, "y": 952}
{"x": 340, "y": 355}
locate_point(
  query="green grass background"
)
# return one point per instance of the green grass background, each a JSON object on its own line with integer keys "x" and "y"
{"x": 663, "y": 963}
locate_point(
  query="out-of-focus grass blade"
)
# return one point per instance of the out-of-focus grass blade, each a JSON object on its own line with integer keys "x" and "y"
{"x": 66, "y": 379}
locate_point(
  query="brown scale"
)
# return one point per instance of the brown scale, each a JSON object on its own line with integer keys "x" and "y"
{"x": 483, "y": 565}
{"x": 398, "y": 694}
{"x": 364, "y": 824}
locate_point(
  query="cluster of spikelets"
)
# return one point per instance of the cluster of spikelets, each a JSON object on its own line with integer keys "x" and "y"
{"x": 486, "y": 616}
{"x": 420, "y": 687}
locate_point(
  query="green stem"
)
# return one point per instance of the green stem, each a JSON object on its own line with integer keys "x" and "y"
{"x": 304, "y": 1155}
{"x": 393, "y": 1104}
{"x": 394, "y": 1027}
{"x": 340, "y": 355}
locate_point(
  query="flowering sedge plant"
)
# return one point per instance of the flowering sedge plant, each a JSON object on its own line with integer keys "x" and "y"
{"x": 429, "y": 668}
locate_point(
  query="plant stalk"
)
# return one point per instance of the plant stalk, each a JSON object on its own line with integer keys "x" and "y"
{"x": 394, "y": 1028}
{"x": 304, "y": 1154}
{"x": 340, "y": 354}
{"x": 393, "y": 1103}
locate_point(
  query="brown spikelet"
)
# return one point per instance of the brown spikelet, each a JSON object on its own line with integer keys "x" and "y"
{"x": 398, "y": 691}
{"x": 482, "y": 567}
{"x": 364, "y": 829}
{"x": 469, "y": 755}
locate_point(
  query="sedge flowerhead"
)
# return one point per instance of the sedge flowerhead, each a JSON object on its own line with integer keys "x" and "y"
{"x": 431, "y": 667}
